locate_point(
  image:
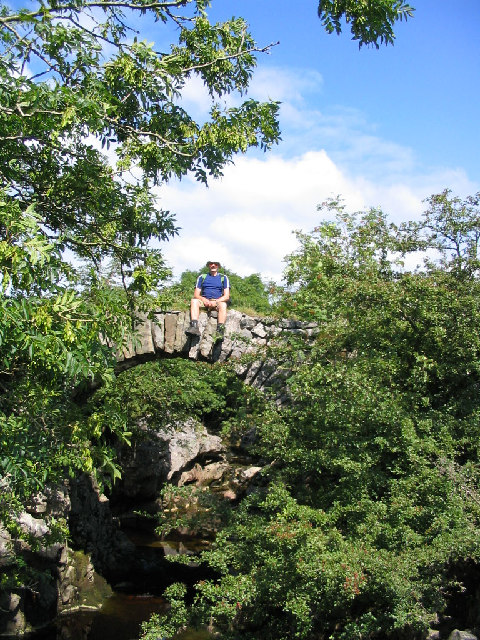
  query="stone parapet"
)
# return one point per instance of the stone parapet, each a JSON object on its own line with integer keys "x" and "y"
{"x": 164, "y": 336}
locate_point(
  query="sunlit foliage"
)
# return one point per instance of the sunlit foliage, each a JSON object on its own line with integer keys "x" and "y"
{"x": 372, "y": 505}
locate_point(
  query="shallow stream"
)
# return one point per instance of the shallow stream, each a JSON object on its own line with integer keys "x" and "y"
{"x": 119, "y": 619}
{"x": 122, "y": 614}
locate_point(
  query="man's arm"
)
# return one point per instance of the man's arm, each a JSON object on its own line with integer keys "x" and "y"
{"x": 198, "y": 293}
{"x": 205, "y": 301}
{"x": 225, "y": 296}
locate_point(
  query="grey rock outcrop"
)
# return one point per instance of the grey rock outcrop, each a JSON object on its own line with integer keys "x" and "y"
{"x": 163, "y": 455}
{"x": 191, "y": 443}
{"x": 95, "y": 530}
{"x": 70, "y": 578}
{"x": 462, "y": 635}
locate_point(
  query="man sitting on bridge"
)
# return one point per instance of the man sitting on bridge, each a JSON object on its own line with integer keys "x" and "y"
{"x": 212, "y": 291}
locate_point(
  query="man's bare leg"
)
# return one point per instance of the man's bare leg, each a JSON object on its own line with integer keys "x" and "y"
{"x": 222, "y": 312}
{"x": 195, "y": 308}
{"x": 194, "y": 315}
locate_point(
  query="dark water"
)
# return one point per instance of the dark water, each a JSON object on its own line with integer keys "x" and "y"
{"x": 118, "y": 619}
{"x": 121, "y": 615}
{"x": 168, "y": 547}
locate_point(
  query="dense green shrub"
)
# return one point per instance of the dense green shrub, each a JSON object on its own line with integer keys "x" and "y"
{"x": 373, "y": 496}
{"x": 165, "y": 391}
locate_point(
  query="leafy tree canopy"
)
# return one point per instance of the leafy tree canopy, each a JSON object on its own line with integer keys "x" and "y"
{"x": 75, "y": 78}
{"x": 369, "y": 22}
{"x": 91, "y": 117}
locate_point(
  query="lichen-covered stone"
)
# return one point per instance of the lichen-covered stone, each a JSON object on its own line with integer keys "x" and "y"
{"x": 170, "y": 331}
{"x": 144, "y": 344}
{"x": 166, "y": 335}
{"x": 158, "y": 331}
{"x": 189, "y": 442}
{"x": 462, "y": 635}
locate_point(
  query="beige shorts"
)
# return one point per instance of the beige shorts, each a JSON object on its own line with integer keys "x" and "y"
{"x": 200, "y": 302}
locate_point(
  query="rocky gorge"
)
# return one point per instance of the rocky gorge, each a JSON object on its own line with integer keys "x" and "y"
{"x": 99, "y": 555}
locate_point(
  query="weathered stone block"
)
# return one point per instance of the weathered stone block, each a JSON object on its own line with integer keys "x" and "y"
{"x": 158, "y": 331}
{"x": 259, "y": 331}
{"x": 170, "y": 331}
{"x": 206, "y": 341}
{"x": 128, "y": 351}
{"x": 144, "y": 345}
{"x": 247, "y": 323}
{"x": 252, "y": 372}
{"x": 181, "y": 338}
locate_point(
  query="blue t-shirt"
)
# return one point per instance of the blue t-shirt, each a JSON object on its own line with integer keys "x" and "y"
{"x": 212, "y": 285}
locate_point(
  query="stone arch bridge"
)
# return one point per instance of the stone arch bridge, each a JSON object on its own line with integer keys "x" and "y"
{"x": 164, "y": 336}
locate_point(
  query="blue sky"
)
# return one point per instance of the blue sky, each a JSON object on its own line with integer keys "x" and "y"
{"x": 383, "y": 128}
{"x": 422, "y": 91}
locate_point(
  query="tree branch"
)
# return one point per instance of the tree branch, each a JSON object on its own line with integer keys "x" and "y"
{"x": 149, "y": 134}
{"x": 30, "y": 44}
{"x": 239, "y": 54}
{"x": 91, "y": 5}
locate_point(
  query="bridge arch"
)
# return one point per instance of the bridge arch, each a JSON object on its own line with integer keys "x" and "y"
{"x": 164, "y": 336}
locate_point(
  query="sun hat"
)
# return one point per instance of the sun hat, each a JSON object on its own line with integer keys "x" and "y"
{"x": 209, "y": 262}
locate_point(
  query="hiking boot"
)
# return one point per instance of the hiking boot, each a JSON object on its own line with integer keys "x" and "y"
{"x": 220, "y": 333}
{"x": 193, "y": 330}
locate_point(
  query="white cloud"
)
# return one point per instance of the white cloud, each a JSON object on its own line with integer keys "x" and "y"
{"x": 287, "y": 85}
{"x": 246, "y": 220}
{"x": 195, "y": 97}
{"x": 290, "y": 87}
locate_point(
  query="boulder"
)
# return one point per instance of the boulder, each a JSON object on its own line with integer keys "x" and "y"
{"x": 191, "y": 442}
{"x": 462, "y": 635}
{"x": 7, "y": 557}
{"x": 162, "y": 455}
{"x": 12, "y": 620}
{"x": 204, "y": 476}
